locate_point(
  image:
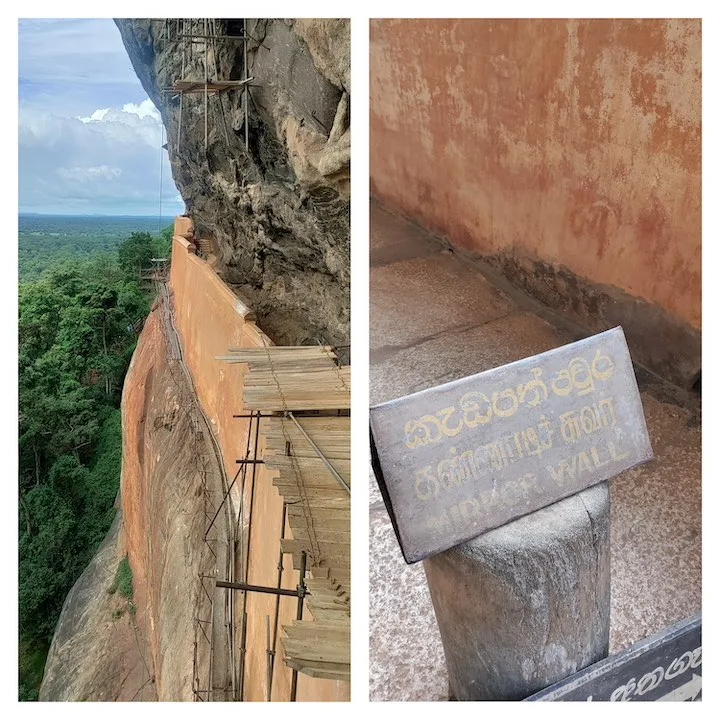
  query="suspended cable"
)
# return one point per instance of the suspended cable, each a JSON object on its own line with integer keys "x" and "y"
{"x": 162, "y": 137}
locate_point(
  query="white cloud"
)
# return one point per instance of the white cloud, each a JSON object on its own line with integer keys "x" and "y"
{"x": 129, "y": 114}
{"x": 89, "y": 174}
{"x": 97, "y": 115}
{"x": 89, "y": 137}
{"x": 144, "y": 109}
{"x": 106, "y": 162}
{"x": 143, "y": 118}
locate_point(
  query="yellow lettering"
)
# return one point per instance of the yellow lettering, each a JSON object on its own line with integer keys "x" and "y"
{"x": 508, "y": 410}
{"x": 562, "y": 384}
{"x": 607, "y": 412}
{"x": 424, "y": 482}
{"x": 536, "y": 386}
{"x": 564, "y": 468}
{"x": 596, "y": 458}
{"x": 467, "y": 468}
{"x": 584, "y": 462}
{"x": 602, "y": 366}
{"x": 589, "y": 420}
{"x": 445, "y": 414}
{"x": 581, "y": 375}
{"x": 569, "y": 427}
{"x": 476, "y": 409}
{"x": 472, "y": 415}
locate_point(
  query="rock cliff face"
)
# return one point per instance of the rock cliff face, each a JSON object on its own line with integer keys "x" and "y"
{"x": 167, "y": 465}
{"x": 147, "y": 654}
{"x": 97, "y": 652}
{"x": 278, "y": 213}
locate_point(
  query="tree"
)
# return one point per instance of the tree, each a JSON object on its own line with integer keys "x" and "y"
{"x": 164, "y": 242}
{"x": 135, "y": 253}
{"x": 74, "y": 350}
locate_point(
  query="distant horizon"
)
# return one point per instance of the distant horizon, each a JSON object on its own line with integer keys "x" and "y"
{"x": 128, "y": 215}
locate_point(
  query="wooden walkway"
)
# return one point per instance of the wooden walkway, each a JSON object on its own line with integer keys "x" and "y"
{"x": 303, "y": 395}
{"x": 293, "y": 378}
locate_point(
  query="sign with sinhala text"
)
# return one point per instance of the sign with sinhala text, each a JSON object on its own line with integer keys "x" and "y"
{"x": 457, "y": 460}
{"x": 667, "y": 666}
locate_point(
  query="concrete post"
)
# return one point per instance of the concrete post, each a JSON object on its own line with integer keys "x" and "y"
{"x": 525, "y": 605}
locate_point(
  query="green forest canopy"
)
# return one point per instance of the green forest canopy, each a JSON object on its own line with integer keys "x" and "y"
{"x": 47, "y": 240}
{"x": 75, "y": 343}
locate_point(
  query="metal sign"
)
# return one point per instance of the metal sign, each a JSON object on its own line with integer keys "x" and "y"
{"x": 667, "y": 666}
{"x": 457, "y": 460}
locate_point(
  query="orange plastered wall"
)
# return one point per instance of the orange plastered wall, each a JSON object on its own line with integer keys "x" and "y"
{"x": 209, "y": 320}
{"x": 573, "y": 142}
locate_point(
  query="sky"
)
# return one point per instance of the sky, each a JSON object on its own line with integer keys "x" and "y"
{"x": 89, "y": 137}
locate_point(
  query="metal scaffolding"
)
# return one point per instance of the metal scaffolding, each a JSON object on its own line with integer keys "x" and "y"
{"x": 185, "y": 35}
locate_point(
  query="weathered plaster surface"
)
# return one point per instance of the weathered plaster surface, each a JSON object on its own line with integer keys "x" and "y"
{"x": 573, "y": 143}
{"x": 208, "y": 323}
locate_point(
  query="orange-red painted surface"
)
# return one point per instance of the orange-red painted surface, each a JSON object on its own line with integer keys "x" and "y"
{"x": 209, "y": 323}
{"x": 209, "y": 320}
{"x": 575, "y": 142}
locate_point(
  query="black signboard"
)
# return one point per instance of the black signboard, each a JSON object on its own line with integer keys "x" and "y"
{"x": 666, "y": 666}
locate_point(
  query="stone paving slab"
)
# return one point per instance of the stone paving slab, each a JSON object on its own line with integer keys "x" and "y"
{"x": 436, "y": 319}
{"x": 416, "y": 299}
{"x": 656, "y": 537}
{"x": 406, "y": 655}
{"x": 458, "y": 353}
{"x": 393, "y": 239}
